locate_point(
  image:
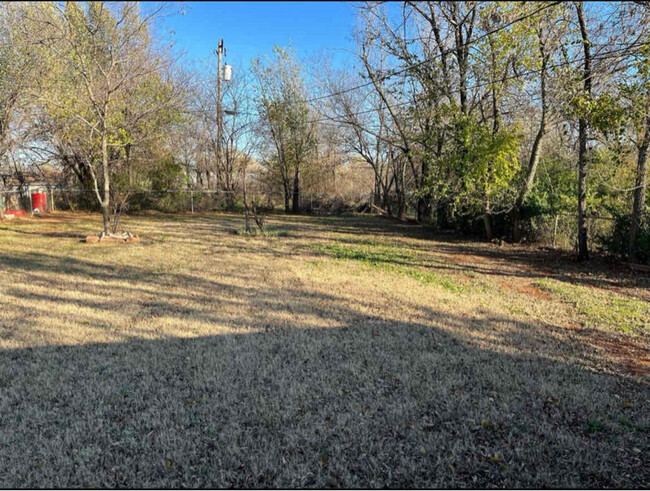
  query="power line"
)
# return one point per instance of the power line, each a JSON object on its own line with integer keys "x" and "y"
{"x": 423, "y": 62}
{"x": 605, "y": 56}
{"x": 450, "y": 51}
{"x": 429, "y": 60}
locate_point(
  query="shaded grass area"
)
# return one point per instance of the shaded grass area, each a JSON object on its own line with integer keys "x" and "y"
{"x": 201, "y": 358}
{"x": 255, "y": 232}
{"x": 402, "y": 406}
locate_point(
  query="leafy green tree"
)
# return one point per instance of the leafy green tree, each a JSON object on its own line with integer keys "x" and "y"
{"x": 636, "y": 92}
{"x": 105, "y": 89}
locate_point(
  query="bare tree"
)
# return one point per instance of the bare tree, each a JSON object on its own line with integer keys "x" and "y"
{"x": 286, "y": 121}
{"x": 360, "y": 120}
{"x": 237, "y": 134}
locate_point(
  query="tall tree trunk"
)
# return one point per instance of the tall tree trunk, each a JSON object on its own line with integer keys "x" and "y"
{"x": 424, "y": 201}
{"x": 401, "y": 206}
{"x": 398, "y": 178}
{"x": 533, "y": 162}
{"x": 127, "y": 151}
{"x": 246, "y": 211}
{"x": 387, "y": 186}
{"x": 106, "y": 201}
{"x": 462, "y": 69}
{"x": 376, "y": 195}
{"x": 487, "y": 220}
{"x": 461, "y": 47}
{"x": 295, "y": 200}
{"x": 287, "y": 195}
{"x": 496, "y": 125}
{"x": 640, "y": 187}
{"x": 583, "y": 250}
{"x": 401, "y": 196}
{"x": 443, "y": 214}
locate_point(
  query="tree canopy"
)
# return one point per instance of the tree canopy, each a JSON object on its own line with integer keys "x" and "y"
{"x": 481, "y": 117}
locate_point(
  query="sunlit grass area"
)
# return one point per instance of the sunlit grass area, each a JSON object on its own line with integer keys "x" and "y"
{"x": 603, "y": 308}
{"x": 337, "y": 351}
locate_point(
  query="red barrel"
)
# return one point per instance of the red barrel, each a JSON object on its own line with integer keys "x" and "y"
{"x": 39, "y": 202}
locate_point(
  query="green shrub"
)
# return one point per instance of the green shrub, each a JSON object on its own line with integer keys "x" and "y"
{"x": 617, "y": 241}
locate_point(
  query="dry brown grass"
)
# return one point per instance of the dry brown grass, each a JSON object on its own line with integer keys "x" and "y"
{"x": 353, "y": 352}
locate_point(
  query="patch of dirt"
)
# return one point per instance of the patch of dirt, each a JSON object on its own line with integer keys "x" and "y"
{"x": 526, "y": 289}
{"x": 634, "y": 358}
{"x": 506, "y": 286}
{"x": 533, "y": 291}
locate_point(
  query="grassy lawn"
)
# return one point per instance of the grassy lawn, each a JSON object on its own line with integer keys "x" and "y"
{"x": 338, "y": 351}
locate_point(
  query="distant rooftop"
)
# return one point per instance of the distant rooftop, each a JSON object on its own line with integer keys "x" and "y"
{"x": 36, "y": 174}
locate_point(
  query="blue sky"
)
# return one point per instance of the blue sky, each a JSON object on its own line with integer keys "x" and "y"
{"x": 252, "y": 28}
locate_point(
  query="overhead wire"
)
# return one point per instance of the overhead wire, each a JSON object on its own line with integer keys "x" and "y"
{"x": 430, "y": 60}
{"x": 423, "y": 62}
{"x": 519, "y": 75}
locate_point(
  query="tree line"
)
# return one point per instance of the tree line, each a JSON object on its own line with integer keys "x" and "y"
{"x": 473, "y": 116}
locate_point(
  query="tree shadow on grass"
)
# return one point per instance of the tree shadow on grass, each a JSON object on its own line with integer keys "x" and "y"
{"x": 438, "y": 400}
{"x": 460, "y": 254}
{"x": 373, "y": 406}
{"x": 56, "y": 235}
{"x": 465, "y": 253}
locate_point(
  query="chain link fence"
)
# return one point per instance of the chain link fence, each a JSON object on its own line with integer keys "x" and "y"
{"x": 185, "y": 201}
{"x": 550, "y": 230}
{"x": 560, "y": 230}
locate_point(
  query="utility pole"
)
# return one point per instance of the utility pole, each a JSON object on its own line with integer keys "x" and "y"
{"x": 219, "y": 53}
